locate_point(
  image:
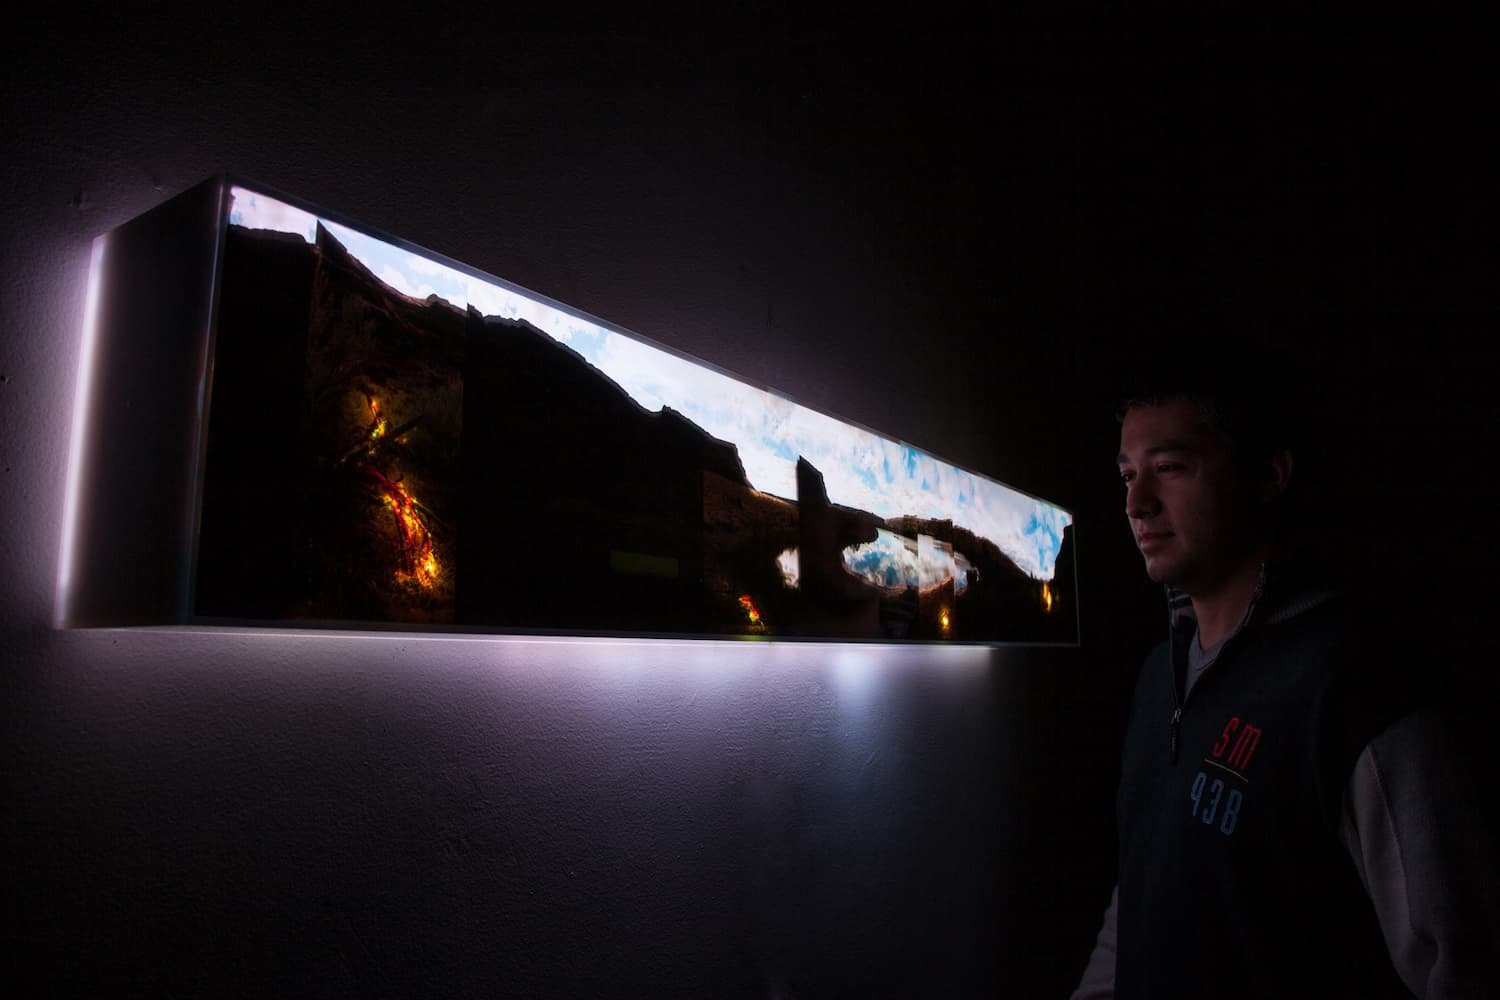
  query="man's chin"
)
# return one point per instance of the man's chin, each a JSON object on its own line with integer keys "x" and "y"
{"x": 1161, "y": 571}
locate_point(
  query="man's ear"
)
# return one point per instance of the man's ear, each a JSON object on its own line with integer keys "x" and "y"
{"x": 1278, "y": 469}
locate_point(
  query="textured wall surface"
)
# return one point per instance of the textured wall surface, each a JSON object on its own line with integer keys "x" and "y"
{"x": 931, "y": 232}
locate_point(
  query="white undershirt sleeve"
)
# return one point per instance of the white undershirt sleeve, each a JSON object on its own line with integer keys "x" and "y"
{"x": 1098, "y": 982}
{"x": 1413, "y": 826}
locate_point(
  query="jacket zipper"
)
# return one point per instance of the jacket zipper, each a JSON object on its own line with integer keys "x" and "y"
{"x": 1178, "y": 700}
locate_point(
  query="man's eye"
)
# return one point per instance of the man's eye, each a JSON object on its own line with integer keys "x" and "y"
{"x": 1169, "y": 467}
{"x": 1126, "y": 477}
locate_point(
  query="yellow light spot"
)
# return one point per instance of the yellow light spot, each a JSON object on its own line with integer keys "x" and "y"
{"x": 1047, "y": 597}
{"x": 945, "y": 621}
{"x": 751, "y": 612}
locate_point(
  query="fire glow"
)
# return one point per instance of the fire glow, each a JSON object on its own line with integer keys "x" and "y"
{"x": 418, "y": 561}
{"x": 378, "y": 425}
{"x": 417, "y": 558}
{"x": 752, "y": 614}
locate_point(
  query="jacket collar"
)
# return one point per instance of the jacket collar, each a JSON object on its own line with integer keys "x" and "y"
{"x": 1284, "y": 590}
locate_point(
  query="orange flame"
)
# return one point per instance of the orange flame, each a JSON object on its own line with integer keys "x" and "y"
{"x": 418, "y": 555}
{"x": 751, "y": 612}
{"x": 1047, "y": 597}
{"x": 945, "y": 621}
{"x": 419, "y": 563}
{"x": 377, "y": 422}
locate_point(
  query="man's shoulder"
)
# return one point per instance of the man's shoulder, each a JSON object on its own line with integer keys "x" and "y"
{"x": 1361, "y": 655}
{"x": 1354, "y": 620}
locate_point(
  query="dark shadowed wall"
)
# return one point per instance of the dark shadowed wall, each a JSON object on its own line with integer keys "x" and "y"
{"x": 958, "y": 235}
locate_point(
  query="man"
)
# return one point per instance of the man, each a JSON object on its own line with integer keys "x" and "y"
{"x": 1290, "y": 823}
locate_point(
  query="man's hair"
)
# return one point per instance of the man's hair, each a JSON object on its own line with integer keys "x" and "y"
{"x": 1249, "y": 398}
{"x": 1254, "y": 426}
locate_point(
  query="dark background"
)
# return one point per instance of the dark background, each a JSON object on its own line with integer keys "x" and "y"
{"x": 962, "y": 233}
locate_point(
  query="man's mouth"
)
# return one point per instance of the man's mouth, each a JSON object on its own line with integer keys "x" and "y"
{"x": 1148, "y": 540}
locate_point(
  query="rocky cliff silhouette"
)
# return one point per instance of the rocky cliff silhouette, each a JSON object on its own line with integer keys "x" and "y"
{"x": 582, "y": 509}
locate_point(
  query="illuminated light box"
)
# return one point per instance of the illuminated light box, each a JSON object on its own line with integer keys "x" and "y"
{"x": 284, "y": 418}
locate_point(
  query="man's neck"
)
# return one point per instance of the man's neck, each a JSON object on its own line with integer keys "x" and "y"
{"x": 1220, "y": 609}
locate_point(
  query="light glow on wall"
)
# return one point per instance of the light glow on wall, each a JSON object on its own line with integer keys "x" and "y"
{"x": 77, "y": 444}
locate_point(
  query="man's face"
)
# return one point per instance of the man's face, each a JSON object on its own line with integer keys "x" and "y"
{"x": 1192, "y": 514}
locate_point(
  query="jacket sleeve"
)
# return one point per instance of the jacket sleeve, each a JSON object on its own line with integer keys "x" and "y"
{"x": 1098, "y": 982}
{"x": 1413, "y": 825}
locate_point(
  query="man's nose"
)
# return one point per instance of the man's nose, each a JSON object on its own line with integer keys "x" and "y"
{"x": 1140, "y": 499}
